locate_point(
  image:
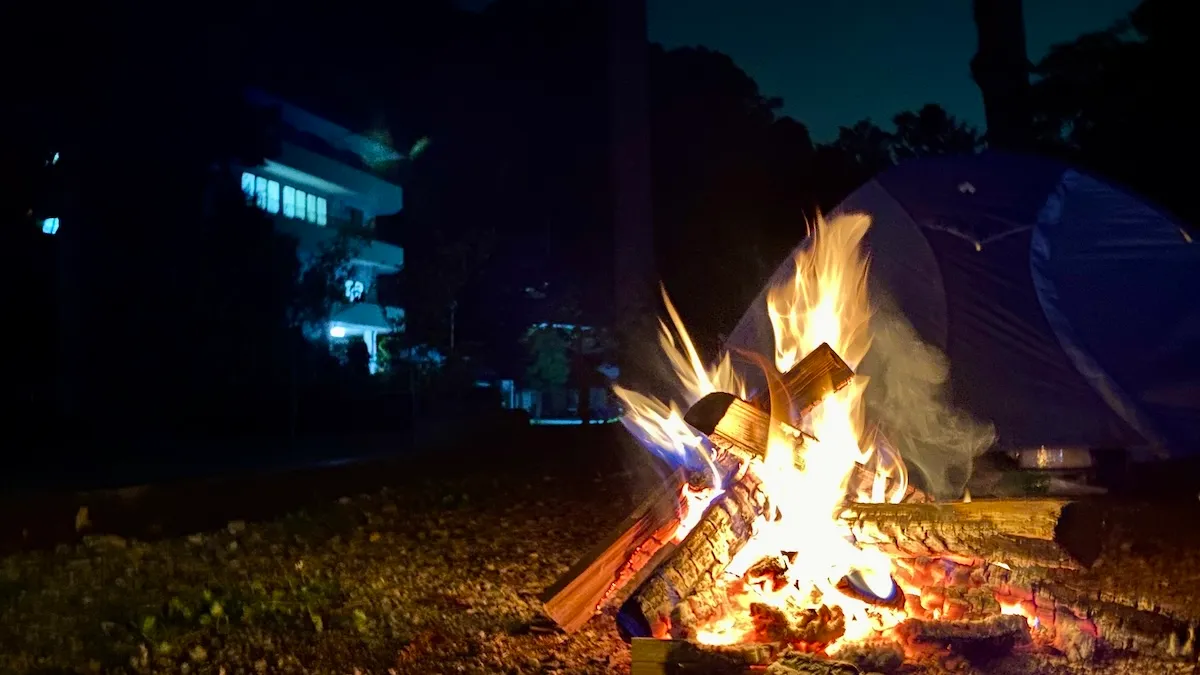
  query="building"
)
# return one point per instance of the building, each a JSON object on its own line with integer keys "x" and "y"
{"x": 322, "y": 184}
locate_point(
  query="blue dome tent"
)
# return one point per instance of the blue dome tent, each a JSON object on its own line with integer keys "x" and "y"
{"x": 1068, "y": 309}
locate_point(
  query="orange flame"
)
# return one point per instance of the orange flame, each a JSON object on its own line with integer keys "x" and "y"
{"x": 824, "y": 301}
{"x": 806, "y": 476}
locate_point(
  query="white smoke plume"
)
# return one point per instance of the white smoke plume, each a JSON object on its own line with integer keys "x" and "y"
{"x": 908, "y": 397}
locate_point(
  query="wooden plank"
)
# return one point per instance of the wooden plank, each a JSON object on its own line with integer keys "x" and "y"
{"x": 601, "y": 572}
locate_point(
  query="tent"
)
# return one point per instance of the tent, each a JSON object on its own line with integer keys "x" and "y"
{"x": 1068, "y": 309}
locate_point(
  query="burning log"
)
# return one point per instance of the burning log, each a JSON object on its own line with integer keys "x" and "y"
{"x": 820, "y": 373}
{"x": 699, "y": 560}
{"x": 576, "y": 596}
{"x": 738, "y": 428}
{"x": 1046, "y": 533}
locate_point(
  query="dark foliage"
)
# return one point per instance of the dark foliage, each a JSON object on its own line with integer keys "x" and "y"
{"x": 165, "y": 304}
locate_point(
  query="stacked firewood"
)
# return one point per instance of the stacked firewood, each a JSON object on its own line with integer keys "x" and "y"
{"x": 1079, "y": 574}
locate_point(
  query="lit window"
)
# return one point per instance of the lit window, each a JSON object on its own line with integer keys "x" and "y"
{"x": 50, "y": 226}
{"x": 260, "y": 192}
{"x": 300, "y": 196}
{"x": 289, "y": 201}
{"x": 248, "y": 184}
{"x": 322, "y": 211}
{"x": 272, "y": 197}
{"x": 311, "y": 211}
{"x": 354, "y": 290}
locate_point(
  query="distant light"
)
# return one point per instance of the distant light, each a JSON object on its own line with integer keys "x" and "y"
{"x": 50, "y": 226}
{"x": 418, "y": 147}
{"x": 337, "y": 331}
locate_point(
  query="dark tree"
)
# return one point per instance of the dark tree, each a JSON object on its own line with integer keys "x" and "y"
{"x": 717, "y": 203}
{"x": 932, "y": 131}
{"x": 1100, "y": 100}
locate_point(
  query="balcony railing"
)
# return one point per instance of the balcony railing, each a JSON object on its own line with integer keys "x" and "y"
{"x": 368, "y": 250}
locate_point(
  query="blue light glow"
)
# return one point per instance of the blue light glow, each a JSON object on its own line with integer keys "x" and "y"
{"x": 50, "y": 226}
{"x": 551, "y": 422}
{"x": 337, "y": 331}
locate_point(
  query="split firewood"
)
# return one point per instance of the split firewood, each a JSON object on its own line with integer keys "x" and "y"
{"x": 1047, "y": 533}
{"x": 617, "y": 559}
{"x": 736, "y": 427}
{"x": 704, "y": 553}
{"x": 820, "y": 373}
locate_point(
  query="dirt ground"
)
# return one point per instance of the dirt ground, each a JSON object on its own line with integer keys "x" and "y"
{"x": 412, "y": 565}
{"x": 434, "y": 567}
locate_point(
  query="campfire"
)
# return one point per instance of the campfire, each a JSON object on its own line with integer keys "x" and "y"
{"x": 790, "y": 533}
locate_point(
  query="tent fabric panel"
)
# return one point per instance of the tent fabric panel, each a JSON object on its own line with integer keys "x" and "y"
{"x": 1007, "y": 367}
{"x": 980, "y": 198}
{"x": 1121, "y": 285}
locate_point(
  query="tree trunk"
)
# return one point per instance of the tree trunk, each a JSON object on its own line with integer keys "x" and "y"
{"x": 633, "y": 225}
{"x": 1001, "y": 69}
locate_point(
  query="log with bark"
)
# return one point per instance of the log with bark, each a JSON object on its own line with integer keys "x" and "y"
{"x": 1142, "y": 593}
{"x": 617, "y": 559}
{"x": 736, "y": 427}
{"x": 1051, "y": 533}
{"x": 699, "y": 559}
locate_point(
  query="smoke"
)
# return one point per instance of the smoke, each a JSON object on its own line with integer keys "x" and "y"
{"x": 908, "y": 397}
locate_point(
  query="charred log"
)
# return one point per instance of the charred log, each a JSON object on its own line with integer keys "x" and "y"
{"x": 800, "y": 663}
{"x": 973, "y": 639}
{"x": 576, "y": 596}
{"x": 1044, "y": 533}
{"x": 1078, "y": 618}
{"x": 701, "y": 557}
{"x": 819, "y": 626}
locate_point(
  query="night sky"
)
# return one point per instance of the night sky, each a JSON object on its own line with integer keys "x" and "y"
{"x": 835, "y": 62}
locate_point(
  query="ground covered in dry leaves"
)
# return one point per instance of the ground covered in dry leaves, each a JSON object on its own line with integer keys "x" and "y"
{"x": 435, "y": 566}
{"x": 438, "y": 571}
